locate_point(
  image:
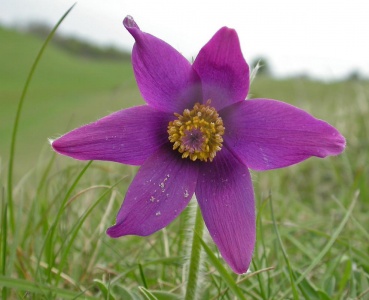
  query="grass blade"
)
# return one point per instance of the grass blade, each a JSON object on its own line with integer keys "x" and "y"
{"x": 74, "y": 233}
{"x": 4, "y": 231}
{"x": 32, "y": 287}
{"x": 285, "y": 256}
{"x": 328, "y": 245}
{"x": 142, "y": 274}
{"x": 222, "y": 271}
{"x": 105, "y": 290}
{"x": 148, "y": 295}
{"x": 333, "y": 238}
{"x": 18, "y": 114}
{"x": 50, "y": 234}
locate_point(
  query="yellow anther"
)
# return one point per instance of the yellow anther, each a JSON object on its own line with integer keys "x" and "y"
{"x": 197, "y": 133}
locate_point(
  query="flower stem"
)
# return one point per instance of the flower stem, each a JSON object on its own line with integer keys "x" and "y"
{"x": 194, "y": 268}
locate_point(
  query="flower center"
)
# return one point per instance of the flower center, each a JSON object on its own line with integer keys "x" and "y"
{"x": 197, "y": 133}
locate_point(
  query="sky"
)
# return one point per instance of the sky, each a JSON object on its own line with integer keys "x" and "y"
{"x": 325, "y": 39}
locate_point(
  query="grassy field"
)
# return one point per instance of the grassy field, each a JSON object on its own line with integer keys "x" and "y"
{"x": 312, "y": 227}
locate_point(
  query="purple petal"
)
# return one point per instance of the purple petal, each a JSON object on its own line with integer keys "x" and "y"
{"x": 165, "y": 78}
{"x": 223, "y": 71}
{"x": 128, "y": 136}
{"x": 225, "y": 195}
{"x": 267, "y": 134}
{"x": 160, "y": 191}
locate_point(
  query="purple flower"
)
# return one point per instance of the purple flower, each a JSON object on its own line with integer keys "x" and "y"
{"x": 198, "y": 135}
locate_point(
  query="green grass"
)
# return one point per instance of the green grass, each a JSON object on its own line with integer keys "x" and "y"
{"x": 312, "y": 225}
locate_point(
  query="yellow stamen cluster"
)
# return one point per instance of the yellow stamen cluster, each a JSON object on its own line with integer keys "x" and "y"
{"x": 197, "y": 133}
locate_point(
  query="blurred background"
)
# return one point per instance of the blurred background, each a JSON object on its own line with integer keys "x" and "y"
{"x": 86, "y": 72}
{"x": 325, "y": 39}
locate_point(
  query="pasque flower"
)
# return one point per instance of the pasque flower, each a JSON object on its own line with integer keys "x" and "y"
{"x": 198, "y": 135}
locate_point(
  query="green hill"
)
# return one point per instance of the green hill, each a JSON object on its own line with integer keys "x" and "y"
{"x": 66, "y": 91}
